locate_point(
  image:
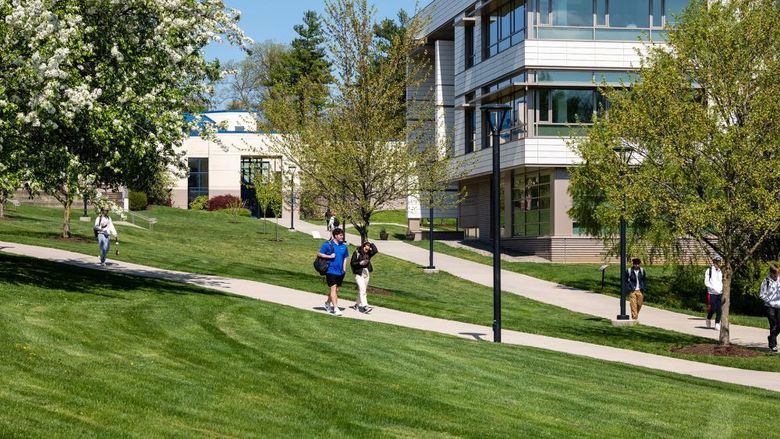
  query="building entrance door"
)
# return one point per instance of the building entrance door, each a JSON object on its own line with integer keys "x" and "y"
{"x": 249, "y": 166}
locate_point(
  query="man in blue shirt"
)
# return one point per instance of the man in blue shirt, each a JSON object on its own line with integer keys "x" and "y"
{"x": 337, "y": 251}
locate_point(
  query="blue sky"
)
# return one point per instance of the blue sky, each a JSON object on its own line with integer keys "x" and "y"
{"x": 274, "y": 20}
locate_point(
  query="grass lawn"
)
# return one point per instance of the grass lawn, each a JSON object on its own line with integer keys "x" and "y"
{"x": 587, "y": 277}
{"x": 89, "y": 354}
{"x": 205, "y": 242}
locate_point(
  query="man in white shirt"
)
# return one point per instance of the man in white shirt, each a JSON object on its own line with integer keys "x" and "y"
{"x": 770, "y": 294}
{"x": 713, "y": 280}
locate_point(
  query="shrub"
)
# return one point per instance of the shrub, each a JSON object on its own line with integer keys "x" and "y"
{"x": 236, "y": 212}
{"x": 223, "y": 202}
{"x": 200, "y": 202}
{"x": 138, "y": 200}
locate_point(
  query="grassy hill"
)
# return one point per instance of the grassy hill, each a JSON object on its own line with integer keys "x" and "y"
{"x": 93, "y": 354}
{"x": 207, "y": 243}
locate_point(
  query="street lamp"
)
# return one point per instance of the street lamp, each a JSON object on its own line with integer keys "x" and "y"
{"x": 292, "y": 169}
{"x": 624, "y": 152}
{"x": 501, "y": 111}
{"x": 430, "y": 235}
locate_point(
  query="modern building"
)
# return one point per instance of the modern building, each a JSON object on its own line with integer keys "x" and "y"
{"x": 227, "y": 164}
{"x": 545, "y": 58}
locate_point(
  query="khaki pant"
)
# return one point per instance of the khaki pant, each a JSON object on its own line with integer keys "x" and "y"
{"x": 636, "y": 299}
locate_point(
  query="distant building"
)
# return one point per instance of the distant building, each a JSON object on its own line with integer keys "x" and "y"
{"x": 545, "y": 58}
{"x": 227, "y": 166}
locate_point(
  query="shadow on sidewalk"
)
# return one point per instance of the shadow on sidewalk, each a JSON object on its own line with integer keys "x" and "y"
{"x": 79, "y": 277}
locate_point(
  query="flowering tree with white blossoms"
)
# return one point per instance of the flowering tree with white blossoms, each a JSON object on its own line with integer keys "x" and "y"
{"x": 96, "y": 89}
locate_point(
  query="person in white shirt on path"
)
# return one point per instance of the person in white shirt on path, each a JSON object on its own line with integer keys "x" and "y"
{"x": 103, "y": 228}
{"x": 713, "y": 280}
{"x": 770, "y": 294}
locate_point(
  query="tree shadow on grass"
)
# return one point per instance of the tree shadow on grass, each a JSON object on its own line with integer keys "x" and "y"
{"x": 72, "y": 276}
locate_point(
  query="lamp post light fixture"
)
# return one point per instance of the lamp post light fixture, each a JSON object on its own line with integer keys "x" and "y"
{"x": 624, "y": 152}
{"x": 292, "y": 169}
{"x": 501, "y": 111}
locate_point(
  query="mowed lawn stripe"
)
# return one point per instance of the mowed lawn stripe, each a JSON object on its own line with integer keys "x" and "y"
{"x": 97, "y": 354}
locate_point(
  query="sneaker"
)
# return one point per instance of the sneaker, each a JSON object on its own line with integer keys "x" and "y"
{"x": 709, "y": 323}
{"x": 355, "y": 307}
{"x": 717, "y": 326}
{"x": 337, "y": 312}
{"x": 365, "y": 309}
{"x": 774, "y": 349}
{"x": 328, "y": 307}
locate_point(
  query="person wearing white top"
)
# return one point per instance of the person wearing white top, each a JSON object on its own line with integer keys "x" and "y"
{"x": 103, "y": 228}
{"x": 770, "y": 294}
{"x": 713, "y": 280}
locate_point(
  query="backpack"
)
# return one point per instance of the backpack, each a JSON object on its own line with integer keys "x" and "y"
{"x": 336, "y": 222}
{"x": 321, "y": 265}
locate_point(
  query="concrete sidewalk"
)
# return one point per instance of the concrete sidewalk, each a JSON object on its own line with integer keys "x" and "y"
{"x": 314, "y": 302}
{"x": 581, "y": 301}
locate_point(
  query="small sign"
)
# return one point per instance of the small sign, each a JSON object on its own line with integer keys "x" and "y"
{"x": 413, "y": 210}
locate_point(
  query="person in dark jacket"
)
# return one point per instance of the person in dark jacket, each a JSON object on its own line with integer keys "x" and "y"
{"x": 362, "y": 268}
{"x": 635, "y": 283}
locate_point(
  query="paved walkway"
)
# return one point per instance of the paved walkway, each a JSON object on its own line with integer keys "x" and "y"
{"x": 314, "y": 302}
{"x": 582, "y": 301}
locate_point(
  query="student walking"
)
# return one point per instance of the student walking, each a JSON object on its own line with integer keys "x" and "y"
{"x": 770, "y": 294}
{"x": 333, "y": 222}
{"x": 104, "y": 228}
{"x": 362, "y": 268}
{"x": 713, "y": 280}
{"x": 337, "y": 251}
{"x": 635, "y": 282}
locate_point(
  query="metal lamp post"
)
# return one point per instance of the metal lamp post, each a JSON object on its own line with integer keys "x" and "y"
{"x": 430, "y": 235}
{"x": 501, "y": 111}
{"x": 292, "y": 169}
{"x": 624, "y": 152}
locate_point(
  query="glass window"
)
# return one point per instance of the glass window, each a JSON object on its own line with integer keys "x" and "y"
{"x": 544, "y": 105}
{"x": 530, "y": 204}
{"x": 564, "y": 76}
{"x": 635, "y": 13}
{"x": 572, "y": 106}
{"x": 469, "y": 45}
{"x": 657, "y": 13}
{"x": 492, "y": 36}
{"x": 471, "y": 129}
{"x": 198, "y": 178}
{"x": 674, "y": 8}
{"x": 544, "y": 11}
{"x": 572, "y": 12}
{"x": 601, "y": 12}
{"x": 505, "y": 23}
{"x": 519, "y": 17}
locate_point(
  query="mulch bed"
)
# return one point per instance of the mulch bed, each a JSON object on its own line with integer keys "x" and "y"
{"x": 378, "y": 291}
{"x": 714, "y": 350}
{"x": 74, "y": 239}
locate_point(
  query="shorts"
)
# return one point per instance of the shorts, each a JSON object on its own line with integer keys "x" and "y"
{"x": 333, "y": 279}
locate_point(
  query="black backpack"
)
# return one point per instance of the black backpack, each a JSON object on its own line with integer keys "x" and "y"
{"x": 321, "y": 264}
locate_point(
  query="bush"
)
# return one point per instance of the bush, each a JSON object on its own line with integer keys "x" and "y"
{"x": 200, "y": 202}
{"x": 236, "y": 212}
{"x": 223, "y": 202}
{"x": 138, "y": 200}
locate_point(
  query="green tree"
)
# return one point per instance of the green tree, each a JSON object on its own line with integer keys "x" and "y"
{"x": 250, "y": 78}
{"x": 356, "y": 151}
{"x": 268, "y": 192}
{"x": 703, "y": 123}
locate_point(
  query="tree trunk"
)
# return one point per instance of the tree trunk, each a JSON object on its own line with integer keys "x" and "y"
{"x": 66, "y": 219}
{"x": 277, "y": 227}
{"x": 2, "y": 208}
{"x": 725, "y": 337}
